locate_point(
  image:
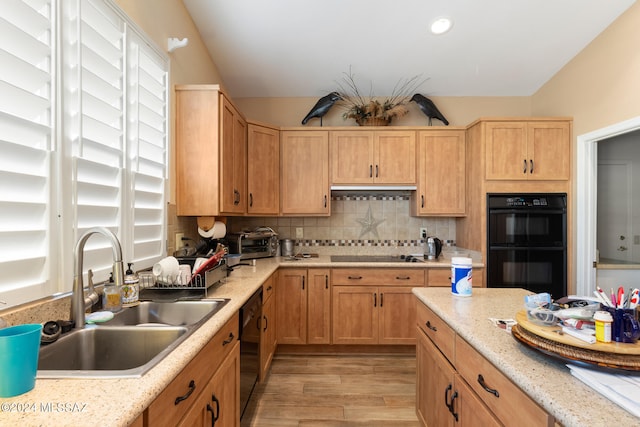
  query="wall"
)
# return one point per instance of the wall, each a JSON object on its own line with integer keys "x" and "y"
{"x": 599, "y": 87}
{"x": 459, "y": 111}
{"x": 161, "y": 19}
{"x": 396, "y": 232}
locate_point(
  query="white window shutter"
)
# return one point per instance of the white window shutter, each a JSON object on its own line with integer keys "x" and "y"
{"x": 27, "y": 37}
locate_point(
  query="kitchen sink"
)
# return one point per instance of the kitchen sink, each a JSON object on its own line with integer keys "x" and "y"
{"x": 97, "y": 352}
{"x": 127, "y": 346}
{"x": 178, "y": 313}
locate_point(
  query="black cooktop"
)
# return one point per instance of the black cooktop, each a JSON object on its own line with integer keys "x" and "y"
{"x": 376, "y": 258}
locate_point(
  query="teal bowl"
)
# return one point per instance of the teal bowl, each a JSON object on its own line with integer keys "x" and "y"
{"x": 19, "y": 348}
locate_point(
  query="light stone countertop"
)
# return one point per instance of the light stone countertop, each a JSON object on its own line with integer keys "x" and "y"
{"x": 545, "y": 379}
{"x": 118, "y": 402}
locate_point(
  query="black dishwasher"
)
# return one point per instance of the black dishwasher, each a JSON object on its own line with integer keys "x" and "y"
{"x": 250, "y": 315}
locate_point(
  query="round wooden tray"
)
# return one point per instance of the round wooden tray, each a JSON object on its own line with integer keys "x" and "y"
{"x": 547, "y": 340}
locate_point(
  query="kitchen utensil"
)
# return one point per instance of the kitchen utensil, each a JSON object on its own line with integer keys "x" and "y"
{"x": 167, "y": 269}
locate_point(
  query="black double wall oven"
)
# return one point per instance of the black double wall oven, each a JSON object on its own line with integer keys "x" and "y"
{"x": 527, "y": 242}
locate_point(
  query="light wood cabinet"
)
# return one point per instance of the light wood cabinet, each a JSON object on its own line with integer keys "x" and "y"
{"x": 219, "y": 403}
{"x": 214, "y": 371}
{"x": 528, "y": 150}
{"x": 303, "y": 299}
{"x": 457, "y": 385}
{"x": 304, "y": 173}
{"x": 211, "y": 138}
{"x": 374, "y": 306}
{"x": 268, "y": 328}
{"x": 233, "y": 160}
{"x": 441, "y": 174}
{"x": 442, "y": 277}
{"x": 263, "y": 170}
{"x": 366, "y": 157}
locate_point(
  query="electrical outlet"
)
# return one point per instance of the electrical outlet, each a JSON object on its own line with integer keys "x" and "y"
{"x": 299, "y": 233}
{"x": 423, "y": 232}
{"x": 179, "y": 243}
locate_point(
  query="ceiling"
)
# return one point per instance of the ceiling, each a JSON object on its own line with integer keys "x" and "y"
{"x": 302, "y": 48}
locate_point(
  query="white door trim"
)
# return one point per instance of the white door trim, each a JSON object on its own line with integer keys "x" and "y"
{"x": 586, "y": 200}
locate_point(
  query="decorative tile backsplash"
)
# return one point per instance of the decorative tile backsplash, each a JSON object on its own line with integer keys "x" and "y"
{"x": 357, "y": 220}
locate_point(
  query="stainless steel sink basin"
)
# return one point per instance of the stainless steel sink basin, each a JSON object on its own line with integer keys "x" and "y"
{"x": 127, "y": 346}
{"x": 108, "y": 352}
{"x": 178, "y": 313}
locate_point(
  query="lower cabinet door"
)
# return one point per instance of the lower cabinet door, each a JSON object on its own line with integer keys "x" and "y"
{"x": 469, "y": 409}
{"x": 219, "y": 403}
{"x": 355, "y": 315}
{"x": 434, "y": 385}
{"x": 397, "y": 315}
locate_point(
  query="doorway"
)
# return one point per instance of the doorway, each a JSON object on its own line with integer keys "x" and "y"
{"x": 586, "y": 201}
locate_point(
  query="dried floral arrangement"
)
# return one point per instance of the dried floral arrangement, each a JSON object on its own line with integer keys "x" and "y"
{"x": 371, "y": 111}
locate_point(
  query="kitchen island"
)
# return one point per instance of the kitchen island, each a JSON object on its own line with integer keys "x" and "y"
{"x": 544, "y": 379}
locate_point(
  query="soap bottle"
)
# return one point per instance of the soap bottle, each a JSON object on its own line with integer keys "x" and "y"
{"x": 112, "y": 296}
{"x": 130, "y": 288}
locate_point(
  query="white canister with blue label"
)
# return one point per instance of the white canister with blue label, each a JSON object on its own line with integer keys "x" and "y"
{"x": 461, "y": 276}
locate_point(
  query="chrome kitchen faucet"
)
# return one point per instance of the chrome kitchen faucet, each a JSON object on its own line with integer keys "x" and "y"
{"x": 79, "y": 303}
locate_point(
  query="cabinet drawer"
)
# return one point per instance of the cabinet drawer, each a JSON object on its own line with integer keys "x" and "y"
{"x": 377, "y": 276}
{"x": 436, "y": 329}
{"x": 442, "y": 277}
{"x": 165, "y": 410}
{"x": 268, "y": 287}
{"x": 511, "y": 405}
{"x": 439, "y": 277}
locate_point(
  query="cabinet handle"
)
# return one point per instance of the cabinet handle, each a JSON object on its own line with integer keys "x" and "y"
{"x": 228, "y": 340}
{"x": 375, "y": 300}
{"x": 531, "y": 166}
{"x": 370, "y": 171}
{"x": 266, "y": 323}
{"x": 192, "y": 387}
{"x": 525, "y": 166}
{"x": 214, "y": 414}
{"x": 433, "y": 328}
{"x": 486, "y": 387}
{"x": 326, "y": 281}
{"x": 376, "y": 171}
{"x": 250, "y": 200}
{"x": 381, "y": 299}
{"x": 354, "y": 277}
{"x": 236, "y": 197}
{"x": 422, "y": 197}
{"x": 269, "y": 287}
{"x": 403, "y": 277}
{"x": 453, "y": 398}
{"x": 302, "y": 282}
{"x": 448, "y": 404}
{"x": 325, "y": 200}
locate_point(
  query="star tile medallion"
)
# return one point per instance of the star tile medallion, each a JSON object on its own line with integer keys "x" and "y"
{"x": 369, "y": 224}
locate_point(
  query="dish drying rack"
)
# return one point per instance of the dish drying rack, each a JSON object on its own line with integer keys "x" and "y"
{"x": 181, "y": 287}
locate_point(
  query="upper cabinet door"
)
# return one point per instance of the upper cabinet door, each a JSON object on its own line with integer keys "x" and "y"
{"x": 352, "y": 160}
{"x": 373, "y": 157}
{"x": 233, "y": 158}
{"x": 506, "y": 152}
{"x": 396, "y": 157}
{"x": 263, "y": 170}
{"x": 549, "y": 148}
{"x": 304, "y": 179}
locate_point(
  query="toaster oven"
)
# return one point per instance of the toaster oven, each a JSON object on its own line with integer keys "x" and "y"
{"x": 261, "y": 243}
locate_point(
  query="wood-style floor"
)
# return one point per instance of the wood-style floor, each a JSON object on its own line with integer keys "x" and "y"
{"x": 336, "y": 391}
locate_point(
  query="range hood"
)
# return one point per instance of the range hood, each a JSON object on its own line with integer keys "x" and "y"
{"x": 373, "y": 187}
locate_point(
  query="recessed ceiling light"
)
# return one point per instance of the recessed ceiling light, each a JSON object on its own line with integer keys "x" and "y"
{"x": 441, "y": 25}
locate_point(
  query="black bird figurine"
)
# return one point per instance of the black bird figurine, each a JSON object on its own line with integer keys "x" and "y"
{"x": 428, "y": 108}
{"x": 322, "y": 107}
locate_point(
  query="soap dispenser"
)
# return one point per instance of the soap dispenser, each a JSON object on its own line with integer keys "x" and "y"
{"x": 112, "y": 297}
{"x": 130, "y": 288}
